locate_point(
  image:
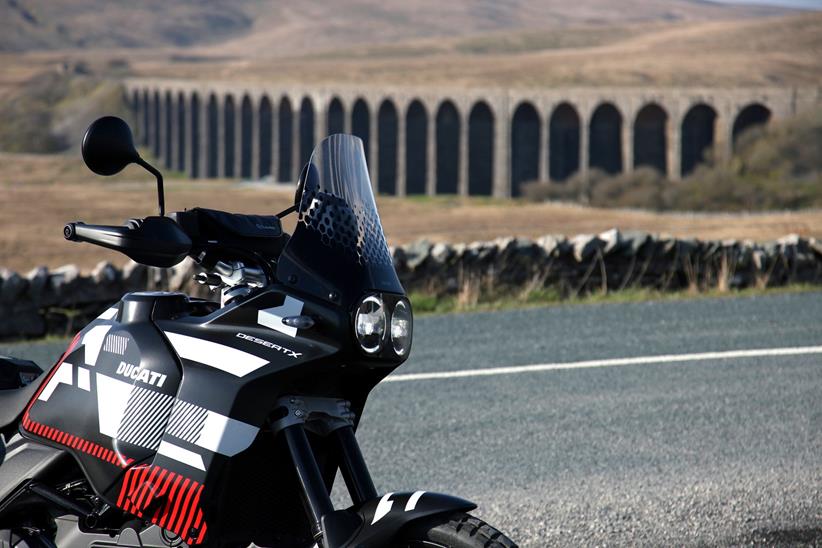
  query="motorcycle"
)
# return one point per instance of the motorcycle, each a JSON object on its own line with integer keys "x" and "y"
{"x": 175, "y": 420}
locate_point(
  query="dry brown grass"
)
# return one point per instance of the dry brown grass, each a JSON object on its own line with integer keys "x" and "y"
{"x": 38, "y": 194}
{"x": 743, "y": 52}
{"x": 766, "y": 51}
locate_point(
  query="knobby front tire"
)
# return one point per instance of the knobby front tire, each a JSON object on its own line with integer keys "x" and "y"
{"x": 458, "y": 530}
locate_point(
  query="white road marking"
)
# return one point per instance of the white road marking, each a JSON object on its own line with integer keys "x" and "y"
{"x": 615, "y": 362}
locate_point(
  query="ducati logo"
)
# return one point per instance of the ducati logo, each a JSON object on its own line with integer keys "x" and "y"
{"x": 141, "y": 374}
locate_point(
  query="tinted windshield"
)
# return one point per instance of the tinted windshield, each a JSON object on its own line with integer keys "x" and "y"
{"x": 338, "y": 244}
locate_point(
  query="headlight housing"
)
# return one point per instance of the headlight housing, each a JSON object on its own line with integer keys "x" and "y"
{"x": 370, "y": 323}
{"x": 383, "y": 326}
{"x": 401, "y": 328}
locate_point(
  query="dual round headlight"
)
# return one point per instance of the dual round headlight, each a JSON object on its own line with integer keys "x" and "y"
{"x": 372, "y": 320}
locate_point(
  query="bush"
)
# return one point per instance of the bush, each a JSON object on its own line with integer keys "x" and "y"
{"x": 778, "y": 167}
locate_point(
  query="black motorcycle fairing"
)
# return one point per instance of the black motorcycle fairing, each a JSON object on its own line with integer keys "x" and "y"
{"x": 338, "y": 250}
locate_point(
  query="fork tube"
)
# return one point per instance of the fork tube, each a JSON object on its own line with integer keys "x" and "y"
{"x": 354, "y": 470}
{"x": 315, "y": 495}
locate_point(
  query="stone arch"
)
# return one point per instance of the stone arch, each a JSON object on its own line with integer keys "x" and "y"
{"x": 286, "y": 131}
{"x": 265, "y": 132}
{"x": 212, "y": 134}
{"x": 336, "y": 117}
{"x": 448, "y": 148}
{"x": 361, "y": 124}
{"x": 753, "y": 115}
{"x": 481, "y": 150}
{"x": 194, "y": 151}
{"x": 306, "y": 130}
{"x": 563, "y": 142}
{"x": 416, "y": 148}
{"x": 698, "y": 128}
{"x": 155, "y": 129}
{"x": 651, "y": 138}
{"x": 605, "y": 144}
{"x": 246, "y": 135}
{"x": 168, "y": 124}
{"x": 229, "y": 136}
{"x": 387, "y": 148}
{"x": 181, "y": 132}
{"x": 145, "y": 136}
{"x": 525, "y": 138}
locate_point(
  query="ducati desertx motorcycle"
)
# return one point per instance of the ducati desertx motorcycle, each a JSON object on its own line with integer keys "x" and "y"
{"x": 172, "y": 420}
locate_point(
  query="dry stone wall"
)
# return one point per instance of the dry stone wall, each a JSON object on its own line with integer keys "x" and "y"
{"x": 61, "y": 301}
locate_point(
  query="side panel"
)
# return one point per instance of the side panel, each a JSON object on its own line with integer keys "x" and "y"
{"x": 108, "y": 403}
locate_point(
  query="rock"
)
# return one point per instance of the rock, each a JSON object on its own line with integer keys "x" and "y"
{"x": 417, "y": 252}
{"x": 13, "y": 285}
{"x": 612, "y": 241}
{"x": 135, "y": 276}
{"x": 441, "y": 253}
{"x": 687, "y": 246}
{"x": 585, "y": 246}
{"x": 105, "y": 273}
{"x": 38, "y": 279}
{"x": 551, "y": 244}
{"x": 634, "y": 242}
{"x": 398, "y": 258}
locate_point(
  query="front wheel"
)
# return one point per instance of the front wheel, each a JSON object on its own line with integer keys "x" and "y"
{"x": 458, "y": 530}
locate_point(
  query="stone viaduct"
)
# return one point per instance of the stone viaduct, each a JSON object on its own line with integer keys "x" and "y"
{"x": 449, "y": 141}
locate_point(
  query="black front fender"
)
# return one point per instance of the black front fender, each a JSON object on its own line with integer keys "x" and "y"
{"x": 375, "y": 523}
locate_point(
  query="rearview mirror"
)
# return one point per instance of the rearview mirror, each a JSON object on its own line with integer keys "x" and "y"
{"x": 108, "y": 146}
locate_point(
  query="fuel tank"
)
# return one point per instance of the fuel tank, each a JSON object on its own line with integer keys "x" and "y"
{"x": 161, "y": 398}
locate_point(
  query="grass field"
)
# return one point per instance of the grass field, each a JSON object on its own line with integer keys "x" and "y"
{"x": 38, "y": 194}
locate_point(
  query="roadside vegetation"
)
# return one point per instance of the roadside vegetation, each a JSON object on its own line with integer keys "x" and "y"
{"x": 774, "y": 168}
{"x": 427, "y": 304}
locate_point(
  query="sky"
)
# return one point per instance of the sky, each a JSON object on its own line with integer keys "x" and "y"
{"x": 807, "y": 4}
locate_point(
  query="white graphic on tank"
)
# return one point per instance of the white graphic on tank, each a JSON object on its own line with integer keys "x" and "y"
{"x": 272, "y": 318}
{"x": 63, "y": 375}
{"x": 117, "y": 404}
{"x": 145, "y": 417}
{"x": 93, "y": 341}
{"x": 187, "y": 421}
{"x": 116, "y": 344}
{"x": 218, "y": 356}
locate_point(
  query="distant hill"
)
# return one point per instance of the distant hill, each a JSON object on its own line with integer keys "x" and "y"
{"x": 283, "y": 27}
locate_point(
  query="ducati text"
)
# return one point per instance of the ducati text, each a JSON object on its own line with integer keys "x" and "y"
{"x": 140, "y": 374}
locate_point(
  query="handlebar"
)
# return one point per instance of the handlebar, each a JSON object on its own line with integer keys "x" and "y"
{"x": 156, "y": 241}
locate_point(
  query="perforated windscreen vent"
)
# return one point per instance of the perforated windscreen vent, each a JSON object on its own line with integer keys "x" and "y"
{"x": 356, "y": 230}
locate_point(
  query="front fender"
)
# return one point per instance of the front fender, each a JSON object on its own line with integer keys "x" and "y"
{"x": 376, "y": 522}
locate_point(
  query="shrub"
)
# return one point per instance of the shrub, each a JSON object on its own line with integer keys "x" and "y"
{"x": 778, "y": 167}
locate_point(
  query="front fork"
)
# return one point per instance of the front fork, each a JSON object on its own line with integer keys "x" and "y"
{"x": 332, "y": 418}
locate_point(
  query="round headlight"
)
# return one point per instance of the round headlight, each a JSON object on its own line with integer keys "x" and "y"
{"x": 369, "y": 324}
{"x": 401, "y": 327}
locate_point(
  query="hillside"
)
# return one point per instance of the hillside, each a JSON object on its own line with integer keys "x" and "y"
{"x": 765, "y": 51}
{"x": 277, "y": 27}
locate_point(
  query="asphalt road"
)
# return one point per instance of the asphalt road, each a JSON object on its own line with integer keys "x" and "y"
{"x": 710, "y": 451}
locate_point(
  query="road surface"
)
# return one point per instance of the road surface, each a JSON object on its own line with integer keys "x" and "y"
{"x": 660, "y": 423}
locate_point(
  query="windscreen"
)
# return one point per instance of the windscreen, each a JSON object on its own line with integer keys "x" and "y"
{"x": 338, "y": 245}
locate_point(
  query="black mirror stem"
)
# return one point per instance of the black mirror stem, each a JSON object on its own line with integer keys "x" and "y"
{"x": 160, "y": 193}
